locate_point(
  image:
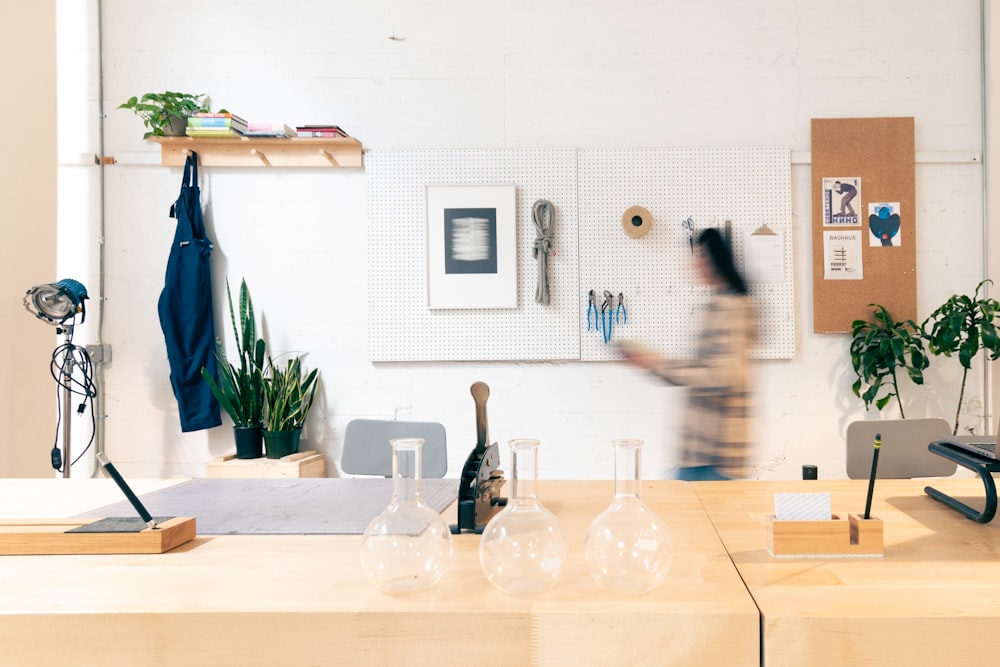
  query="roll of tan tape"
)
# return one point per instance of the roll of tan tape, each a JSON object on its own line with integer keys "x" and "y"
{"x": 636, "y": 221}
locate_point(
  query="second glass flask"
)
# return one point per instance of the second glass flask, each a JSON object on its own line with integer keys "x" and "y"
{"x": 523, "y": 548}
{"x": 628, "y": 548}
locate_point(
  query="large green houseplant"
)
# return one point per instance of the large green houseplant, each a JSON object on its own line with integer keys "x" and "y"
{"x": 879, "y": 348}
{"x": 239, "y": 385}
{"x": 964, "y": 325}
{"x": 165, "y": 114}
{"x": 288, "y": 396}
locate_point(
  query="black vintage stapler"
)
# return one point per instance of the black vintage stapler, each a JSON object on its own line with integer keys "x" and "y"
{"x": 482, "y": 479}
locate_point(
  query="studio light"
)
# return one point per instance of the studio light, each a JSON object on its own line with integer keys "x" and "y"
{"x": 59, "y": 304}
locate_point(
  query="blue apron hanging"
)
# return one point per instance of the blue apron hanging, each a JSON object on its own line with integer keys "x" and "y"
{"x": 185, "y": 307}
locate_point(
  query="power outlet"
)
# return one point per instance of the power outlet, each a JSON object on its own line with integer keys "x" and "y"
{"x": 99, "y": 354}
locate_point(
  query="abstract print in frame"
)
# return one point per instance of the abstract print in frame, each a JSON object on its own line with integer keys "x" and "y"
{"x": 471, "y": 247}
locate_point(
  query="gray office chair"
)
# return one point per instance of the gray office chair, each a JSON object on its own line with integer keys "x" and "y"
{"x": 903, "y": 454}
{"x": 367, "y": 450}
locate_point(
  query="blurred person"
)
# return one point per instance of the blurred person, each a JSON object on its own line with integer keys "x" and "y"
{"x": 716, "y": 437}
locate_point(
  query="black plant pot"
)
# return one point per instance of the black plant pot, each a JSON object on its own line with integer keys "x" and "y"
{"x": 281, "y": 443}
{"x": 177, "y": 127}
{"x": 249, "y": 442}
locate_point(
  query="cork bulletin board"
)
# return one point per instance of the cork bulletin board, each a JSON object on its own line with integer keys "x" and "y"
{"x": 863, "y": 220}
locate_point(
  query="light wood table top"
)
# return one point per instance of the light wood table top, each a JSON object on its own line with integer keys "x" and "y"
{"x": 303, "y": 600}
{"x": 934, "y": 599}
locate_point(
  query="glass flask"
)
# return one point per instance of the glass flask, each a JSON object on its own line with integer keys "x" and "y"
{"x": 523, "y": 548}
{"x": 408, "y": 546}
{"x": 628, "y": 547}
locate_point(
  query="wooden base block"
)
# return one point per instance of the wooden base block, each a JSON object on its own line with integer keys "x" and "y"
{"x": 838, "y": 537}
{"x": 301, "y": 464}
{"x": 48, "y": 536}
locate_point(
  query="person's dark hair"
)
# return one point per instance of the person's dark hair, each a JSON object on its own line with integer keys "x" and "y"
{"x": 715, "y": 247}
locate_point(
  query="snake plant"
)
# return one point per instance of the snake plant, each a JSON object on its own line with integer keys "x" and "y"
{"x": 288, "y": 395}
{"x": 240, "y": 389}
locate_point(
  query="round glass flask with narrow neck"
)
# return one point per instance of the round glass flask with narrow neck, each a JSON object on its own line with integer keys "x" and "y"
{"x": 628, "y": 548}
{"x": 522, "y": 548}
{"x": 408, "y": 546}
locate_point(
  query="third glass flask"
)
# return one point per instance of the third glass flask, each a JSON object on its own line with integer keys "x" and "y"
{"x": 523, "y": 548}
{"x": 628, "y": 547}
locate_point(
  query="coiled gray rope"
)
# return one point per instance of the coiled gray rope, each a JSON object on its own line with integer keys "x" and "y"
{"x": 543, "y": 213}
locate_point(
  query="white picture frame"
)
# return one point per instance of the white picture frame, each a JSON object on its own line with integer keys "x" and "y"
{"x": 471, "y": 246}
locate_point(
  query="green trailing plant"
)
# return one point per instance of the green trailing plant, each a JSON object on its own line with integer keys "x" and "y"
{"x": 159, "y": 110}
{"x": 239, "y": 389}
{"x": 879, "y": 349}
{"x": 288, "y": 395}
{"x": 964, "y": 325}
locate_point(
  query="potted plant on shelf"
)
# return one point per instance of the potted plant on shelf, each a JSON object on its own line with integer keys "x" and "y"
{"x": 964, "y": 324}
{"x": 239, "y": 387}
{"x": 879, "y": 348}
{"x": 288, "y": 396}
{"x": 165, "y": 114}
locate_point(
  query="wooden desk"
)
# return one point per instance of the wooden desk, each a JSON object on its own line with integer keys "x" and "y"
{"x": 303, "y": 600}
{"x": 934, "y": 599}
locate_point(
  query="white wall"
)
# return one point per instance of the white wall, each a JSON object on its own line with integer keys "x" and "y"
{"x": 454, "y": 74}
{"x": 27, "y": 189}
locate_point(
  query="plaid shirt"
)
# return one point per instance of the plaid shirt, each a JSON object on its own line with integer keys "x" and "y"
{"x": 717, "y": 424}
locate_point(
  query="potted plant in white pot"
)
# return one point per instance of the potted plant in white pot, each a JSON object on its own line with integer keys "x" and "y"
{"x": 165, "y": 114}
{"x": 288, "y": 396}
{"x": 239, "y": 386}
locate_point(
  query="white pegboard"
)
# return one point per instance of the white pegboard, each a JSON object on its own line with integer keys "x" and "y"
{"x": 589, "y": 190}
{"x": 663, "y": 297}
{"x": 401, "y": 327}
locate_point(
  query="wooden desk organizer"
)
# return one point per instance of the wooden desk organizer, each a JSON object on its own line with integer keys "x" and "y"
{"x": 49, "y": 536}
{"x": 838, "y": 537}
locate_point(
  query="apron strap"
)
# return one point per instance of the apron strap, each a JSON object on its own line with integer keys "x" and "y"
{"x": 190, "y": 170}
{"x": 189, "y": 179}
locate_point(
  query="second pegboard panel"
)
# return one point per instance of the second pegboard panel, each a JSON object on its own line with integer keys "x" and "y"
{"x": 735, "y": 189}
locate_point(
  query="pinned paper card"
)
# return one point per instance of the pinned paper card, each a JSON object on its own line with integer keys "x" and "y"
{"x": 802, "y": 506}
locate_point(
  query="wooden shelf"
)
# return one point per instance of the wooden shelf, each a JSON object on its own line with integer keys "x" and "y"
{"x": 262, "y": 151}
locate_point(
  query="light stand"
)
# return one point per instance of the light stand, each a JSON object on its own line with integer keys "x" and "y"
{"x": 59, "y": 304}
{"x": 65, "y": 380}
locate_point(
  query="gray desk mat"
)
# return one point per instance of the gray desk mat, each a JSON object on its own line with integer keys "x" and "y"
{"x": 309, "y": 506}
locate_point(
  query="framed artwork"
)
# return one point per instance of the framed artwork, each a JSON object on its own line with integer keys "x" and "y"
{"x": 471, "y": 246}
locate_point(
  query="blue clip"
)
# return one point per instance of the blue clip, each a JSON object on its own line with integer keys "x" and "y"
{"x": 689, "y": 226}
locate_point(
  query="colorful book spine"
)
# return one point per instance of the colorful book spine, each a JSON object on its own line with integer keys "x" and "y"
{"x": 213, "y": 132}
{"x": 194, "y": 121}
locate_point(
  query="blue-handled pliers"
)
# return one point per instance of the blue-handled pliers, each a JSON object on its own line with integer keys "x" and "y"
{"x": 620, "y": 310}
{"x": 591, "y": 308}
{"x": 607, "y": 315}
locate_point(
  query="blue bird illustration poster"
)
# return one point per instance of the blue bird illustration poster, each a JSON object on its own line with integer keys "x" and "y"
{"x": 884, "y": 225}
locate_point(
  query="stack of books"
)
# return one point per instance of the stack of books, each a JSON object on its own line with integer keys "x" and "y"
{"x": 320, "y": 131}
{"x": 219, "y": 124}
{"x": 255, "y": 129}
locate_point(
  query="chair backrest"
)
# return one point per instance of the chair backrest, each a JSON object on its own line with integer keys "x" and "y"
{"x": 903, "y": 453}
{"x": 367, "y": 450}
